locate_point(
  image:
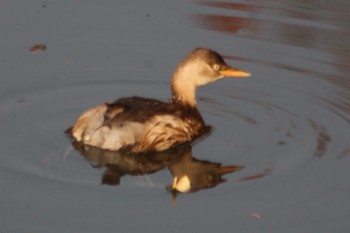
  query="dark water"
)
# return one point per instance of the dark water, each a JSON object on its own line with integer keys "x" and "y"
{"x": 288, "y": 124}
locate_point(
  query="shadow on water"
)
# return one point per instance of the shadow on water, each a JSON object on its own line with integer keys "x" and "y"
{"x": 189, "y": 174}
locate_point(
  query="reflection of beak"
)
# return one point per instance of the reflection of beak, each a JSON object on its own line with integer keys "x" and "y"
{"x": 182, "y": 184}
{"x": 233, "y": 72}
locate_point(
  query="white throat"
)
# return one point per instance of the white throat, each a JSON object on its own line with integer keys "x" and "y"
{"x": 185, "y": 81}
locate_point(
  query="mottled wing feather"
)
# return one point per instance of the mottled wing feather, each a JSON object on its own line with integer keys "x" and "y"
{"x": 163, "y": 135}
{"x": 142, "y": 109}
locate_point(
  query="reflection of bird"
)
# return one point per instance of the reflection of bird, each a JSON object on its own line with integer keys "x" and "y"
{"x": 142, "y": 125}
{"x": 191, "y": 175}
{"x": 119, "y": 164}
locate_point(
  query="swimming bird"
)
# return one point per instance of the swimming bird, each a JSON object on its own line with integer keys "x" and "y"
{"x": 142, "y": 125}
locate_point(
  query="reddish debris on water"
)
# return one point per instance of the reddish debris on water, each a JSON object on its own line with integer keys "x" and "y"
{"x": 257, "y": 215}
{"x": 21, "y": 101}
{"x": 38, "y": 48}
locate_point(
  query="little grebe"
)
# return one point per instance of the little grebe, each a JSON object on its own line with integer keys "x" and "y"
{"x": 144, "y": 125}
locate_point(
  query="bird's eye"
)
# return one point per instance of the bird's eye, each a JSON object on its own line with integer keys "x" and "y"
{"x": 216, "y": 67}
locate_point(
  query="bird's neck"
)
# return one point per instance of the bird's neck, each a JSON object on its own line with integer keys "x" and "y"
{"x": 183, "y": 87}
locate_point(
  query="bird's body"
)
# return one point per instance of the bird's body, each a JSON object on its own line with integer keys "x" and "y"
{"x": 145, "y": 125}
{"x": 139, "y": 124}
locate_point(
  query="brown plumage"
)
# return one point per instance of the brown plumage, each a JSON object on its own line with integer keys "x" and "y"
{"x": 144, "y": 125}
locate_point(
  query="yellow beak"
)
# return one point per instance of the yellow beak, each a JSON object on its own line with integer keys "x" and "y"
{"x": 231, "y": 72}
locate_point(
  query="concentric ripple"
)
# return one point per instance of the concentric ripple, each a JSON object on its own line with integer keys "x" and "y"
{"x": 274, "y": 126}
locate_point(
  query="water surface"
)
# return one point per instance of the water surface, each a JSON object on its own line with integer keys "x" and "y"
{"x": 288, "y": 124}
